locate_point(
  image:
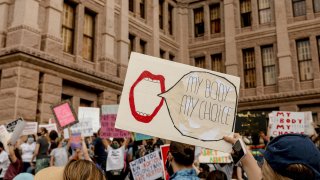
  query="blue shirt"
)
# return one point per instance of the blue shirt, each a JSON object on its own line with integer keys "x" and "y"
{"x": 187, "y": 174}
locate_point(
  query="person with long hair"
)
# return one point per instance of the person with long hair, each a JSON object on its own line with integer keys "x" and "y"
{"x": 41, "y": 151}
{"x": 16, "y": 165}
{"x": 74, "y": 170}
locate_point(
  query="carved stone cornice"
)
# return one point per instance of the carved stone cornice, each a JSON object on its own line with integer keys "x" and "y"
{"x": 20, "y": 27}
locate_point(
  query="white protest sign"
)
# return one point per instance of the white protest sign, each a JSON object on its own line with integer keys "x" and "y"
{"x": 30, "y": 128}
{"x": 193, "y": 105}
{"x": 308, "y": 126}
{"x": 17, "y": 132}
{"x": 214, "y": 156}
{"x": 4, "y": 136}
{"x": 147, "y": 167}
{"x": 84, "y": 126}
{"x": 285, "y": 122}
{"x": 90, "y": 114}
{"x": 49, "y": 127}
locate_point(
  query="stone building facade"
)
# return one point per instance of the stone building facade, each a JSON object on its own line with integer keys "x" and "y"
{"x": 78, "y": 50}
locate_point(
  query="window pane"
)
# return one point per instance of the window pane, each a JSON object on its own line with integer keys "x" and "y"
{"x": 170, "y": 19}
{"x": 215, "y": 18}
{"x": 249, "y": 68}
{"x": 245, "y": 10}
{"x": 131, "y": 5}
{"x": 199, "y": 62}
{"x": 198, "y": 22}
{"x": 143, "y": 45}
{"x": 265, "y": 16}
{"x": 268, "y": 63}
{"x": 316, "y": 5}
{"x": 245, "y": 6}
{"x": 299, "y": 7}
{"x": 161, "y": 2}
{"x": 88, "y": 36}
{"x": 68, "y": 27}
{"x": 264, "y": 4}
{"x": 217, "y": 63}
{"x": 304, "y": 59}
{"x": 142, "y": 9}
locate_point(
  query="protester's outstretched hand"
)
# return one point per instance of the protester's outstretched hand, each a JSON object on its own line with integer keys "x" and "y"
{"x": 232, "y": 139}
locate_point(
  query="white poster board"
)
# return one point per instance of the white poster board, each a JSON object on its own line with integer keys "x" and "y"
{"x": 285, "y": 122}
{"x": 30, "y": 128}
{"x": 178, "y": 102}
{"x": 147, "y": 167}
{"x": 87, "y": 117}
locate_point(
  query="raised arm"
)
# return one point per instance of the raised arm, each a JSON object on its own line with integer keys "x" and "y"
{"x": 12, "y": 155}
{"x": 85, "y": 150}
{"x": 249, "y": 164}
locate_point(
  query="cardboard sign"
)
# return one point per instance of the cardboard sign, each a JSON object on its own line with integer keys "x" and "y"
{"x": 108, "y": 118}
{"x": 214, "y": 156}
{"x": 92, "y": 115}
{"x": 17, "y": 132}
{"x": 178, "y": 102}
{"x": 49, "y": 127}
{"x": 10, "y": 126}
{"x": 140, "y": 137}
{"x": 147, "y": 167}
{"x": 75, "y": 141}
{"x": 4, "y": 136}
{"x": 164, "y": 149}
{"x": 285, "y": 122}
{"x": 64, "y": 115}
{"x": 308, "y": 124}
{"x": 30, "y": 128}
{"x": 85, "y": 125}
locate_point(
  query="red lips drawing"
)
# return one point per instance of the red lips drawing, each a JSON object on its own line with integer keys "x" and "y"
{"x": 142, "y": 117}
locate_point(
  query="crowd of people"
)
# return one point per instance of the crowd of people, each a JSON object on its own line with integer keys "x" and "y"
{"x": 35, "y": 156}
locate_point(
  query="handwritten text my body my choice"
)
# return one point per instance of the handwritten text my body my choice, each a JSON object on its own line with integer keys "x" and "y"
{"x": 204, "y": 99}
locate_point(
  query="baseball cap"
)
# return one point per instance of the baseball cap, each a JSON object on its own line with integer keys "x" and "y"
{"x": 288, "y": 149}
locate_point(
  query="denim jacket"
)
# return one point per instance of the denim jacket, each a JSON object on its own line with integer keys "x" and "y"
{"x": 186, "y": 174}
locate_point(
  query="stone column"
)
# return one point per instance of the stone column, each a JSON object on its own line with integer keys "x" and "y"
{"x": 292, "y": 107}
{"x": 155, "y": 28}
{"x": 50, "y": 90}
{"x": 285, "y": 79}
{"x": 230, "y": 33}
{"x": 182, "y": 33}
{"x": 78, "y": 36}
{"x": 24, "y": 29}
{"x": 123, "y": 41}
{"x": 165, "y": 17}
{"x": 4, "y": 11}
{"x": 107, "y": 62}
{"x": 309, "y": 9}
{"x": 52, "y": 41}
{"x": 19, "y": 93}
{"x": 107, "y": 97}
{"x": 259, "y": 71}
{"x": 206, "y": 18}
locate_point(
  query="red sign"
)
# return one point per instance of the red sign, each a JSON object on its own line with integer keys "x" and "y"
{"x": 164, "y": 154}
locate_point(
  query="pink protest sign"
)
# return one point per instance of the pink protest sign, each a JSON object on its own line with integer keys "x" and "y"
{"x": 64, "y": 114}
{"x": 108, "y": 120}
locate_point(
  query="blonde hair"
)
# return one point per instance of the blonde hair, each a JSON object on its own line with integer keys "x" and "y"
{"x": 299, "y": 171}
{"x": 82, "y": 170}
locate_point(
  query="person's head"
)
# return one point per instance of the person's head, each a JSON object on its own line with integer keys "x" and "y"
{"x": 53, "y": 135}
{"x": 82, "y": 170}
{"x": 217, "y": 175}
{"x": 116, "y": 143}
{"x": 31, "y": 139}
{"x": 291, "y": 156}
{"x": 204, "y": 167}
{"x": 60, "y": 141}
{"x": 181, "y": 156}
{"x": 42, "y": 131}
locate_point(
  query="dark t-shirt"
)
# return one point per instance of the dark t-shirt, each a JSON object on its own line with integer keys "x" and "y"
{"x": 43, "y": 149}
{"x": 99, "y": 149}
{"x": 13, "y": 170}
